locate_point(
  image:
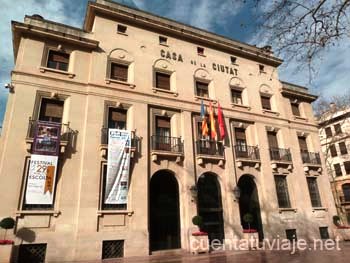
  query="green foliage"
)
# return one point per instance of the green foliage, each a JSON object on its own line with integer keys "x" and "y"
{"x": 7, "y": 223}
{"x": 197, "y": 220}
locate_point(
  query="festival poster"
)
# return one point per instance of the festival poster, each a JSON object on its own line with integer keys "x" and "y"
{"x": 118, "y": 166}
{"x": 41, "y": 180}
{"x": 47, "y": 138}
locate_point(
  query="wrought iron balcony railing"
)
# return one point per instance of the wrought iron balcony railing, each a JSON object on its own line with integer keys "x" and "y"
{"x": 247, "y": 152}
{"x": 104, "y": 138}
{"x": 344, "y": 198}
{"x": 310, "y": 157}
{"x": 213, "y": 148}
{"x": 66, "y": 131}
{"x": 280, "y": 154}
{"x": 166, "y": 143}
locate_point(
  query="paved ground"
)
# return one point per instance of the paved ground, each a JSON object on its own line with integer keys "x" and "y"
{"x": 247, "y": 257}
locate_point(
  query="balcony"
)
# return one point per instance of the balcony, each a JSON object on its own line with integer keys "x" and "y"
{"x": 135, "y": 143}
{"x": 247, "y": 155}
{"x": 210, "y": 150}
{"x": 281, "y": 157}
{"x": 166, "y": 146}
{"x": 345, "y": 199}
{"x": 67, "y": 135}
{"x": 311, "y": 158}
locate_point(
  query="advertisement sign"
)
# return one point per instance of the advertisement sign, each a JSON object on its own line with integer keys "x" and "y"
{"x": 118, "y": 166}
{"x": 47, "y": 138}
{"x": 41, "y": 179}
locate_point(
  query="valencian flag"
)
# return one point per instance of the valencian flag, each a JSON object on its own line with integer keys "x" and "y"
{"x": 204, "y": 121}
{"x": 221, "y": 123}
{"x": 212, "y": 121}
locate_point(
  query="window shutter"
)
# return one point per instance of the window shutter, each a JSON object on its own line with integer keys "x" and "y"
{"x": 51, "y": 108}
{"x": 162, "y": 81}
{"x": 302, "y": 144}
{"x": 333, "y": 150}
{"x": 240, "y": 134}
{"x": 295, "y": 109}
{"x": 265, "y": 101}
{"x": 328, "y": 131}
{"x": 163, "y": 122}
{"x": 119, "y": 72}
{"x": 272, "y": 138}
{"x": 59, "y": 57}
{"x": 342, "y": 148}
{"x": 118, "y": 115}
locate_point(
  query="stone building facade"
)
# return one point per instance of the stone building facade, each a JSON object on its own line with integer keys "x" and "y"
{"x": 335, "y": 143}
{"x": 132, "y": 70}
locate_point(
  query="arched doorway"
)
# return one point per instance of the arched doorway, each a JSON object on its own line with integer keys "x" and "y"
{"x": 210, "y": 206}
{"x": 249, "y": 203}
{"x": 164, "y": 212}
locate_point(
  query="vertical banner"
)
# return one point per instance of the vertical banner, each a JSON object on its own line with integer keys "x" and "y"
{"x": 41, "y": 180}
{"x": 118, "y": 166}
{"x": 43, "y": 164}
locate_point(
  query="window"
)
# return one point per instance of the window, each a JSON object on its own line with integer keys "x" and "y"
{"x": 58, "y": 60}
{"x": 105, "y": 206}
{"x": 314, "y": 193}
{"x": 272, "y": 139}
{"x": 162, "y": 81}
{"x": 236, "y": 96}
{"x": 337, "y": 129}
{"x": 241, "y": 142}
{"x": 117, "y": 118}
{"x": 282, "y": 191}
{"x": 121, "y": 29}
{"x": 202, "y": 89}
{"x": 328, "y": 132}
{"x": 200, "y": 51}
{"x": 291, "y": 234}
{"x": 233, "y": 60}
{"x": 265, "y": 102}
{"x": 51, "y": 110}
{"x": 163, "y": 133}
{"x": 119, "y": 72}
{"x": 32, "y": 253}
{"x": 342, "y": 148}
{"x": 163, "y": 40}
{"x": 337, "y": 169}
{"x": 347, "y": 167}
{"x": 333, "y": 150}
{"x": 346, "y": 192}
{"x": 324, "y": 232}
{"x": 302, "y": 144}
{"x": 295, "y": 109}
{"x": 112, "y": 249}
{"x": 261, "y": 68}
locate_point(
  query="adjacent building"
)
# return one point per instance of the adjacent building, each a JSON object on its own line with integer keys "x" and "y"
{"x": 134, "y": 71}
{"x": 335, "y": 142}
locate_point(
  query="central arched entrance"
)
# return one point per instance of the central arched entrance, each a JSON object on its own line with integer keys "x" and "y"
{"x": 164, "y": 211}
{"x": 249, "y": 203}
{"x": 210, "y": 206}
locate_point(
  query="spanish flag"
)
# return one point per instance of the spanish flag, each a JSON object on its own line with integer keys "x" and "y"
{"x": 204, "y": 121}
{"x": 212, "y": 122}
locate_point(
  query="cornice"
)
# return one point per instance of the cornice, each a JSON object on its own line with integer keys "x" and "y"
{"x": 147, "y": 20}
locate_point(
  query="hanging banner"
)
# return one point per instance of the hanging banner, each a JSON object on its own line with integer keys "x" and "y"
{"x": 47, "y": 138}
{"x": 118, "y": 166}
{"x": 41, "y": 179}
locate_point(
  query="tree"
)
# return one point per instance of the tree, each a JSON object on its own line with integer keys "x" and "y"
{"x": 7, "y": 223}
{"x": 302, "y": 30}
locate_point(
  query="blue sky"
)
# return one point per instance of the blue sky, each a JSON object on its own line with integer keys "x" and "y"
{"x": 224, "y": 17}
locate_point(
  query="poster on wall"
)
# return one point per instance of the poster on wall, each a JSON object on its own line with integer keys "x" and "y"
{"x": 41, "y": 179}
{"x": 47, "y": 138}
{"x": 118, "y": 166}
